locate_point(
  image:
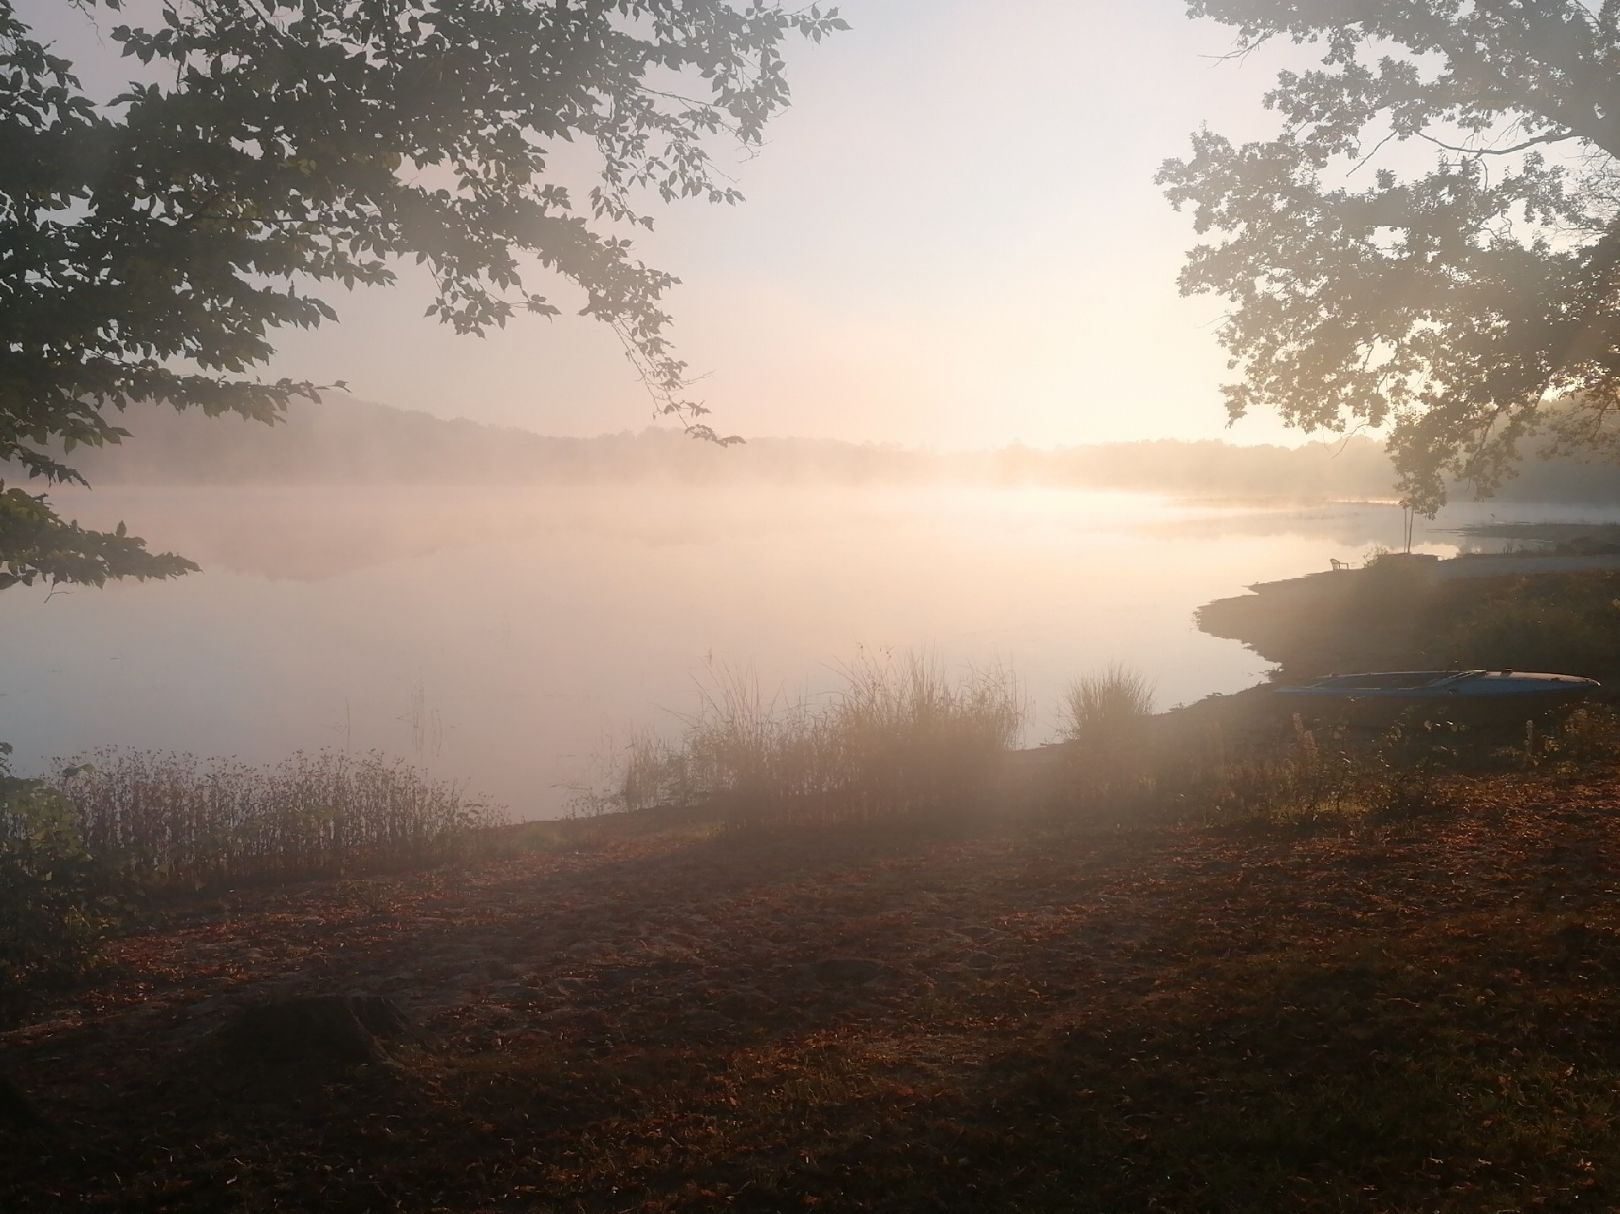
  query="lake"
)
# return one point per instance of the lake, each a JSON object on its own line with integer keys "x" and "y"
{"x": 514, "y": 638}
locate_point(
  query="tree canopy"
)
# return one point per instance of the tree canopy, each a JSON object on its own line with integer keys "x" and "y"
{"x": 152, "y": 244}
{"x": 1432, "y": 241}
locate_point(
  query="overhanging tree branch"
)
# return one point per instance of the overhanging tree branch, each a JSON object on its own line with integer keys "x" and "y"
{"x": 140, "y": 235}
{"x": 1497, "y": 296}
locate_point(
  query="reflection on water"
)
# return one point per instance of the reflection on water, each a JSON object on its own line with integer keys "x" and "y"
{"x": 506, "y": 636}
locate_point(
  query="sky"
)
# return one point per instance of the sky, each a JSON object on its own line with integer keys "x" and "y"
{"x": 952, "y": 239}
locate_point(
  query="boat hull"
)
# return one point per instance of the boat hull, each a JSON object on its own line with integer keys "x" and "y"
{"x": 1464, "y": 698}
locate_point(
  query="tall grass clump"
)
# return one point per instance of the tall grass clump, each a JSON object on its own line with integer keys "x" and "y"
{"x": 1111, "y": 705}
{"x": 174, "y": 821}
{"x": 906, "y": 737}
{"x": 900, "y": 737}
{"x": 1105, "y": 727}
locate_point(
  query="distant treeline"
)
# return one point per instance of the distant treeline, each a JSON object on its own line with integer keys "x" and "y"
{"x": 347, "y": 441}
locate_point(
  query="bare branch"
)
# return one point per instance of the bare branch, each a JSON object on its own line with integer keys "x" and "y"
{"x": 1549, "y": 137}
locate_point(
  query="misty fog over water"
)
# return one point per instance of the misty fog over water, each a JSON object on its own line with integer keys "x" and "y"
{"x": 514, "y": 637}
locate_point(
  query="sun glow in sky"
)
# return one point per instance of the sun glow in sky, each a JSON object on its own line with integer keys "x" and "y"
{"x": 952, "y": 239}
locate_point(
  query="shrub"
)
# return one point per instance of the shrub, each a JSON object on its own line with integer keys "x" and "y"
{"x": 1589, "y": 737}
{"x": 1305, "y": 779}
{"x": 55, "y": 898}
{"x": 1303, "y": 775}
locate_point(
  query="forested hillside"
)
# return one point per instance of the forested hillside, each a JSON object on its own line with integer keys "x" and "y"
{"x": 343, "y": 440}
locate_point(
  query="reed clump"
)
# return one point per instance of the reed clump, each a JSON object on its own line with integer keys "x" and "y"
{"x": 175, "y": 821}
{"x": 1106, "y": 735}
{"x": 1110, "y": 705}
{"x": 900, "y": 737}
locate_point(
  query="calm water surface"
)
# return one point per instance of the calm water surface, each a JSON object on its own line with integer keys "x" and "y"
{"x": 513, "y": 638}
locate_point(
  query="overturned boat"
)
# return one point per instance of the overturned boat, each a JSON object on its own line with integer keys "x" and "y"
{"x": 1440, "y": 694}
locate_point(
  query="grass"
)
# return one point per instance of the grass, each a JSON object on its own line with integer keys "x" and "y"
{"x": 174, "y": 821}
{"x": 899, "y": 738}
{"x": 84, "y": 855}
{"x": 1307, "y": 780}
{"x": 902, "y": 742}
